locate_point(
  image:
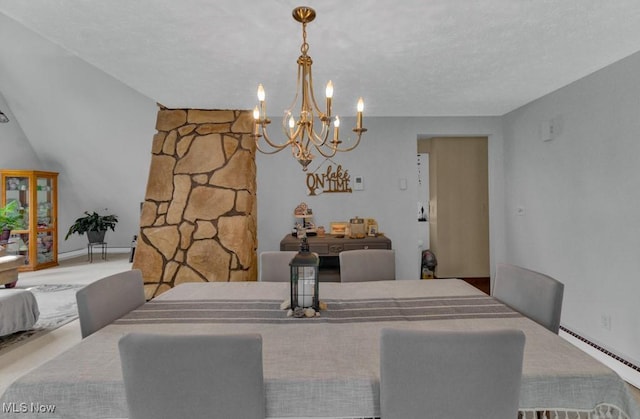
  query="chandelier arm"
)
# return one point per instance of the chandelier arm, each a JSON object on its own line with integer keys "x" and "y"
{"x": 288, "y": 112}
{"x": 327, "y": 155}
{"x": 291, "y": 136}
{"x": 296, "y": 149}
{"x": 274, "y": 151}
{"x": 315, "y": 138}
{"x": 304, "y": 144}
{"x": 311, "y": 110}
{"x": 321, "y": 114}
{"x": 285, "y": 125}
{"x": 271, "y": 143}
{"x": 320, "y": 139}
{"x": 295, "y": 98}
{"x": 353, "y": 146}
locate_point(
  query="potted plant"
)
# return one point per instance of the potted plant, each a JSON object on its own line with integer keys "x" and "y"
{"x": 94, "y": 224}
{"x": 11, "y": 218}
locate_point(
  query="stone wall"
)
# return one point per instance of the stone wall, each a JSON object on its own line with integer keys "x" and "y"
{"x": 198, "y": 221}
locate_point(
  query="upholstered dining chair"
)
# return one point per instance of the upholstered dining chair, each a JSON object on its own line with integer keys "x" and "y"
{"x": 367, "y": 265}
{"x": 108, "y": 299}
{"x": 193, "y": 376}
{"x": 450, "y": 374}
{"x": 274, "y": 266}
{"x": 533, "y": 294}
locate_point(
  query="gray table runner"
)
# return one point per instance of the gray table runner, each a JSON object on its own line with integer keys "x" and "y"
{"x": 338, "y": 311}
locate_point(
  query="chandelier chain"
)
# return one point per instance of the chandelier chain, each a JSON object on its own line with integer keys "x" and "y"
{"x": 304, "y": 48}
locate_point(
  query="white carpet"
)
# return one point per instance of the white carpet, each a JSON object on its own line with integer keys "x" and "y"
{"x": 57, "y": 304}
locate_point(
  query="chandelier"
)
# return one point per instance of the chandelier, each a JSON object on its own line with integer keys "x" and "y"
{"x": 312, "y": 128}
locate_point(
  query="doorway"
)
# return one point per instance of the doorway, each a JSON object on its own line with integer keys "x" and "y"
{"x": 459, "y": 207}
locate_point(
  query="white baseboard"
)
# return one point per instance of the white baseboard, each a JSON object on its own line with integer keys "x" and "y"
{"x": 81, "y": 252}
{"x": 630, "y": 373}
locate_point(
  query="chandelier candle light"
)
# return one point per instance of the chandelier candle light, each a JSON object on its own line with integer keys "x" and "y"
{"x": 301, "y": 134}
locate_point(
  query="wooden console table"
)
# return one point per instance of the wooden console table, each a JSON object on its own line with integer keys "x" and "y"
{"x": 329, "y": 247}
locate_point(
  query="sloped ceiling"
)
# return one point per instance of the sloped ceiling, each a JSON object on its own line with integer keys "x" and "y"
{"x": 407, "y": 58}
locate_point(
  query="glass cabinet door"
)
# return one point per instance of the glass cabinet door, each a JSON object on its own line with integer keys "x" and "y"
{"x": 44, "y": 219}
{"x": 35, "y": 237}
{"x": 17, "y": 190}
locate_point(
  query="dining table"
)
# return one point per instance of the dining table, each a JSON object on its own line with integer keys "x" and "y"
{"x": 326, "y": 366}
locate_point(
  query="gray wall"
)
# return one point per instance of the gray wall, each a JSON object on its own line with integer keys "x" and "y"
{"x": 15, "y": 149}
{"x": 89, "y": 127}
{"x": 581, "y": 198}
{"x": 386, "y": 154}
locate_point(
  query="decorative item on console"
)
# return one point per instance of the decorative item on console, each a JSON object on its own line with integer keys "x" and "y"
{"x": 357, "y": 228}
{"x": 304, "y": 225}
{"x": 372, "y": 227}
{"x": 338, "y": 228}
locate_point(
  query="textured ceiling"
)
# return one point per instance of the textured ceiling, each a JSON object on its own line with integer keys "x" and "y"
{"x": 406, "y": 57}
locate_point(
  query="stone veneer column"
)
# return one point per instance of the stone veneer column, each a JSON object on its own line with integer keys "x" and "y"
{"x": 198, "y": 221}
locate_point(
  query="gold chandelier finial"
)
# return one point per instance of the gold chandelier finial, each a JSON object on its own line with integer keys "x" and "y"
{"x": 301, "y": 134}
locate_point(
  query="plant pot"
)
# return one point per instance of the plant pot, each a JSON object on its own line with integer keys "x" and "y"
{"x": 96, "y": 236}
{"x": 5, "y": 233}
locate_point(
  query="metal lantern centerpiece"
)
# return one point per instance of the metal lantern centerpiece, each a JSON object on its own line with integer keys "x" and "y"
{"x": 304, "y": 278}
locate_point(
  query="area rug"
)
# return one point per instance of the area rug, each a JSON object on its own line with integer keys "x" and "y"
{"x": 57, "y": 305}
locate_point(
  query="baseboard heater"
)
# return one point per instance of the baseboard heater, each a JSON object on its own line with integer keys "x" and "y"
{"x": 601, "y": 349}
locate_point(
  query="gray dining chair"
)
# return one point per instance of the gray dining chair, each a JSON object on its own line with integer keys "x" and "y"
{"x": 109, "y": 298}
{"x": 193, "y": 376}
{"x": 531, "y": 293}
{"x": 367, "y": 265}
{"x": 450, "y": 374}
{"x": 274, "y": 266}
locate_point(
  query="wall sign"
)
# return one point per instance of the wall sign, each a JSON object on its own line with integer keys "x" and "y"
{"x": 329, "y": 181}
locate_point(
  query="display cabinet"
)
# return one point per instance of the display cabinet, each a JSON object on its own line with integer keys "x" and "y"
{"x": 36, "y": 194}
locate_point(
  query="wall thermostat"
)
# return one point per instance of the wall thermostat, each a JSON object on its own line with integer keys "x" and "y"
{"x": 358, "y": 183}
